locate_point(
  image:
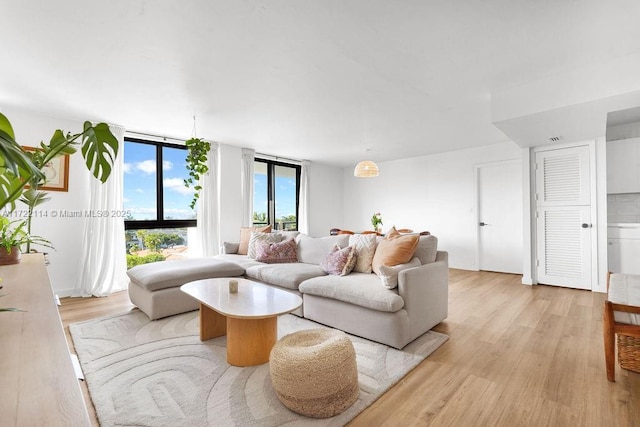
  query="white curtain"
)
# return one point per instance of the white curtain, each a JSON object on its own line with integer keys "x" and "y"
{"x": 104, "y": 265}
{"x": 248, "y": 158}
{"x": 303, "y": 198}
{"x": 208, "y": 207}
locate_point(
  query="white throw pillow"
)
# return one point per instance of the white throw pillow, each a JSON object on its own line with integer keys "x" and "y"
{"x": 365, "y": 245}
{"x": 389, "y": 275}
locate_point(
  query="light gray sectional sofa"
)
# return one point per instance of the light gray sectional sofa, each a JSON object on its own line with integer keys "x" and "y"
{"x": 357, "y": 303}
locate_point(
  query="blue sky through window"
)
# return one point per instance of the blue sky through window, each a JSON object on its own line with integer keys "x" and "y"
{"x": 285, "y": 192}
{"x": 140, "y": 173}
{"x": 140, "y": 184}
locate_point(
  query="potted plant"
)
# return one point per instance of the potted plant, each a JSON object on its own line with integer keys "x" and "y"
{"x": 13, "y": 236}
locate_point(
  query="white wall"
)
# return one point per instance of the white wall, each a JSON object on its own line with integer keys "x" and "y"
{"x": 326, "y": 209}
{"x": 65, "y": 233}
{"x": 434, "y": 193}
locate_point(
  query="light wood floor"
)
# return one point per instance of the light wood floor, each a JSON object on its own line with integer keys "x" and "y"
{"x": 517, "y": 356}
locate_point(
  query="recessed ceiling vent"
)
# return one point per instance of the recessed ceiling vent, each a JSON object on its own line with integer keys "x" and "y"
{"x": 555, "y": 139}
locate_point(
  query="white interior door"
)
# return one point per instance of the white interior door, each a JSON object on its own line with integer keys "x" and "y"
{"x": 500, "y": 217}
{"x": 563, "y": 217}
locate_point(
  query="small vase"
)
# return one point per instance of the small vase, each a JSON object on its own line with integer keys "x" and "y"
{"x": 7, "y": 258}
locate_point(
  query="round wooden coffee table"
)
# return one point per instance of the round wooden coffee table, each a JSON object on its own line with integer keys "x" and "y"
{"x": 249, "y": 317}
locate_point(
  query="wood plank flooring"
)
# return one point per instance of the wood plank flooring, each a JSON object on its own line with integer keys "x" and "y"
{"x": 517, "y": 356}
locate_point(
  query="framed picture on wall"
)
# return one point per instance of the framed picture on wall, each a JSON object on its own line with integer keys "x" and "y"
{"x": 56, "y": 172}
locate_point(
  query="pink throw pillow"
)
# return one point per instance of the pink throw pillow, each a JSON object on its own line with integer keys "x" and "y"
{"x": 339, "y": 262}
{"x": 272, "y": 253}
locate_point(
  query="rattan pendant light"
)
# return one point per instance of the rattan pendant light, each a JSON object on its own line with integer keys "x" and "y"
{"x": 366, "y": 169}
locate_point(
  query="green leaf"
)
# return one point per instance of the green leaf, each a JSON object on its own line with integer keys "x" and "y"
{"x": 99, "y": 149}
{"x": 59, "y": 145}
{"x": 16, "y": 167}
{"x": 5, "y": 126}
{"x": 33, "y": 198}
{"x": 11, "y": 188}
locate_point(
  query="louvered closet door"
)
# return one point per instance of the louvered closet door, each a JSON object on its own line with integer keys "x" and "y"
{"x": 563, "y": 209}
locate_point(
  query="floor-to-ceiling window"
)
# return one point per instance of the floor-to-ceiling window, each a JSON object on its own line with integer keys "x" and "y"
{"x": 157, "y": 201}
{"x": 275, "y": 194}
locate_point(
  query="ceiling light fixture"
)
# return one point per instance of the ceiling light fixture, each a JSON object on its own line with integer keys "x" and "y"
{"x": 366, "y": 169}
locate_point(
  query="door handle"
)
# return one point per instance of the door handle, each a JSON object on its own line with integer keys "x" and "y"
{"x": 585, "y": 225}
{"x": 482, "y": 224}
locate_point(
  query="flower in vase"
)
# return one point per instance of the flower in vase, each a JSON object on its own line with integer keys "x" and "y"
{"x": 376, "y": 220}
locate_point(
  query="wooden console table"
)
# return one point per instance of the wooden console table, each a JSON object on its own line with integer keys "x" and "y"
{"x": 38, "y": 384}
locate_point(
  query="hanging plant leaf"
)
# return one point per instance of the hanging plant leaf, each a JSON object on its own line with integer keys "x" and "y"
{"x": 198, "y": 150}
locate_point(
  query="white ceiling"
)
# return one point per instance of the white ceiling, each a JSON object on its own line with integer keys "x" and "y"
{"x": 308, "y": 79}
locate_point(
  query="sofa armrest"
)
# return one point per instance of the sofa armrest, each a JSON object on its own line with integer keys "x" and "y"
{"x": 425, "y": 291}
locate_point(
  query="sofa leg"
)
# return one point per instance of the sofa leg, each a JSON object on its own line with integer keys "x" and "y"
{"x": 609, "y": 340}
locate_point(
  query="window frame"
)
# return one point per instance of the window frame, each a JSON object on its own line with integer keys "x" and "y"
{"x": 271, "y": 205}
{"x": 159, "y": 222}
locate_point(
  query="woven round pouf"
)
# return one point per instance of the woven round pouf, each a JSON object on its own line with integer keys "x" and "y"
{"x": 314, "y": 372}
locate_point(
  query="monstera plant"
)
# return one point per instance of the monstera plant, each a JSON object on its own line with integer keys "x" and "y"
{"x": 18, "y": 168}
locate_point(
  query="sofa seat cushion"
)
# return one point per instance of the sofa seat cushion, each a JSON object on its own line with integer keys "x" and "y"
{"x": 242, "y": 260}
{"x": 357, "y": 288}
{"x": 625, "y": 289}
{"x": 169, "y": 274}
{"x": 287, "y": 275}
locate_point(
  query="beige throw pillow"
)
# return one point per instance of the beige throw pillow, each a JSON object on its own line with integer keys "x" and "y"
{"x": 365, "y": 247}
{"x": 394, "y": 249}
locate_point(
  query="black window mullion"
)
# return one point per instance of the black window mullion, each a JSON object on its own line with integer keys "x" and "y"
{"x": 159, "y": 185}
{"x": 270, "y": 196}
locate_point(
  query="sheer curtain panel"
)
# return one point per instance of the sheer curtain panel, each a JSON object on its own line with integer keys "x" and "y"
{"x": 104, "y": 265}
{"x": 208, "y": 229}
{"x": 303, "y": 198}
{"x": 248, "y": 157}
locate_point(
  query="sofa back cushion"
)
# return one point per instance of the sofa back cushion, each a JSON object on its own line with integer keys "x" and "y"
{"x": 287, "y": 234}
{"x": 312, "y": 250}
{"x": 427, "y": 249}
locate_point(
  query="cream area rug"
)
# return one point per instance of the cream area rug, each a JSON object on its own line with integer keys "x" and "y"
{"x": 158, "y": 373}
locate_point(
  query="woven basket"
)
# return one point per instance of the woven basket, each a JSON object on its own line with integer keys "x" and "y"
{"x": 629, "y": 352}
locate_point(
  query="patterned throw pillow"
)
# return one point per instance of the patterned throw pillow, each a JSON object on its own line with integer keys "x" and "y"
{"x": 245, "y": 235}
{"x": 281, "y": 252}
{"x": 339, "y": 262}
{"x": 365, "y": 247}
{"x": 258, "y": 238}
